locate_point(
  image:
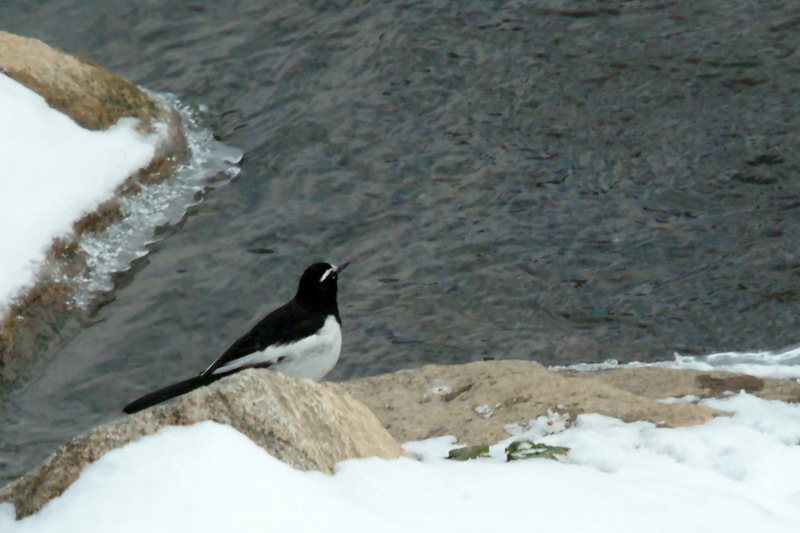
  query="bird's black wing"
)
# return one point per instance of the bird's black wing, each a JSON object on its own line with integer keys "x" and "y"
{"x": 282, "y": 326}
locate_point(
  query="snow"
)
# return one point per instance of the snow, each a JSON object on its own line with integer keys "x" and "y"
{"x": 729, "y": 475}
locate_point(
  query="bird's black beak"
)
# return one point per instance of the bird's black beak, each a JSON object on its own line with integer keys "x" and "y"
{"x": 342, "y": 267}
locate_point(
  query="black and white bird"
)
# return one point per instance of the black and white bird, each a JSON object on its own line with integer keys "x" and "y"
{"x": 302, "y": 339}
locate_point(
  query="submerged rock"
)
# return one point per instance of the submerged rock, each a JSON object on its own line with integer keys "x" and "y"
{"x": 307, "y": 425}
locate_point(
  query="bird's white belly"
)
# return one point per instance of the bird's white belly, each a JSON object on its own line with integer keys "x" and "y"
{"x": 312, "y": 357}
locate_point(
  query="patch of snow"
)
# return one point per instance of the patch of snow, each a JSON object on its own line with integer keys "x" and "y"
{"x": 767, "y": 364}
{"x": 484, "y": 410}
{"x": 730, "y": 475}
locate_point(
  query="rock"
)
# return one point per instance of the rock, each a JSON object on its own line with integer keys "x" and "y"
{"x": 476, "y": 401}
{"x": 307, "y": 425}
{"x": 656, "y": 383}
{"x": 93, "y": 96}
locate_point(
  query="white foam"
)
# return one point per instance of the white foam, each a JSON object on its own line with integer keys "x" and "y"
{"x": 783, "y": 363}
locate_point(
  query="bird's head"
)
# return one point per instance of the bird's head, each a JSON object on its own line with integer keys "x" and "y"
{"x": 318, "y": 286}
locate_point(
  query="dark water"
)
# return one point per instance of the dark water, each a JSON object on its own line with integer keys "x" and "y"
{"x": 556, "y": 181}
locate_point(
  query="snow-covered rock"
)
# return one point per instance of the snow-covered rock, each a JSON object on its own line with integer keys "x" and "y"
{"x": 118, "y": 138}
{"x": 307, "y": 425}
{"x": 476, "y": 402}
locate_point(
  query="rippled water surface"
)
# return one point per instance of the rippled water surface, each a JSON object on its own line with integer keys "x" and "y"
{"x": 556, "y": 181}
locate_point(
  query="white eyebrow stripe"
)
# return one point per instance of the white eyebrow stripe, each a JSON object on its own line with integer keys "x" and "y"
{"x": 327, "y": 273}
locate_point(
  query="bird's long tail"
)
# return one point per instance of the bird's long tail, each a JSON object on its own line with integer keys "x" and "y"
{"x": 168, "y": 392}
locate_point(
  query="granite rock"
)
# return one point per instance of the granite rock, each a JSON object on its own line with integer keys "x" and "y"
{"x": 94, "y": 97}
{"x": 656, "y": 383}
{"x": 477, "y": 401}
